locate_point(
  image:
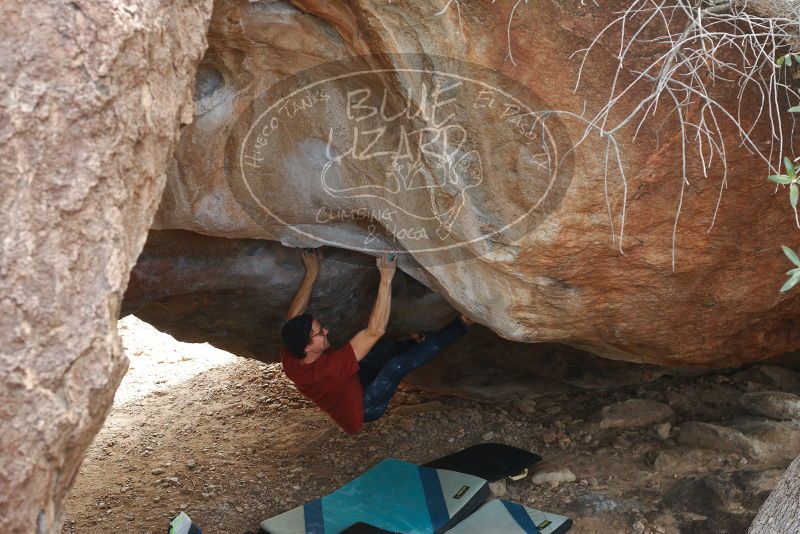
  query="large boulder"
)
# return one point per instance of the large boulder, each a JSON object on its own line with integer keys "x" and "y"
{"x": 92, "y": 95}
{"x": 234, "y": 294}
{"x": 561, "y": 276}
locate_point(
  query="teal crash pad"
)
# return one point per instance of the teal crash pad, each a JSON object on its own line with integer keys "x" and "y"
{"x": 395, "y": 496}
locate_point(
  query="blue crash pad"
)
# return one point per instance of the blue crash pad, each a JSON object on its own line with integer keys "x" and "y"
{"x": 394, "y": 495}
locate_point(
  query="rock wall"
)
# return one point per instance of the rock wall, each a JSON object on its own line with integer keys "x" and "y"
{"x": 91, "y": 97}
{"x": 564, "y": 279}
{"x": 234, "y": 293}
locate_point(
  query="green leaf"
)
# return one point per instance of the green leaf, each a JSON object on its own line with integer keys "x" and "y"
{"x": 791, "y": 255}
{"x": 780, "y": 179}
{"x": 796, "y": 58}
{"x": 780, "y": 61}
{"x": 789, "y": 167}
{"x": 793, "y": 193}
{"x": 788, "y": 60}
{"x": 790, "y": 272}
{"x": 790, "y": 283}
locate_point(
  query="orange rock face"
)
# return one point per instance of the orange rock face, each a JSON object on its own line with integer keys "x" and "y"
{"x": 461, "y": 124}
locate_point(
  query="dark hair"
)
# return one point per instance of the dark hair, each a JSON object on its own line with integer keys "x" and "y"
{"x": 296, "y": 334}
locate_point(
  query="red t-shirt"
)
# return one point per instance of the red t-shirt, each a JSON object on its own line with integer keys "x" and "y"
{"x": 331, "y": 383}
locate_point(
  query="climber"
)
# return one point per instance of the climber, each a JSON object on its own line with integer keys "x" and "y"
{"x": 354, "y": 383}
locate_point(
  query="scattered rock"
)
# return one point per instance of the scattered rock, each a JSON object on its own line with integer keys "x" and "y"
{"x": 662, "y": 430}
{"x": 406, "y": 424}
{"x": 664, "y": 460}
{"x": 631, "y": 413}
{"x": 719, "y": 438}
{"x": 157, "y": 471}
{"x": 708, "y": 504}
{"x": 786, "y": 379}
{"x": 621, "y": 443}
{"x": 549, "y": 437}
{"x": 556, "y": 475}
{"x": 700, "y": 495}
{"x": 774, "y": 404}
{"x": 499, "y": 488}
{"x": 758, "y": 483}
{"x": 423, "y": 407}
{"x": 526, "y": 405}
{"x": 678, "y": 400}
{"x": 778, "y": 442}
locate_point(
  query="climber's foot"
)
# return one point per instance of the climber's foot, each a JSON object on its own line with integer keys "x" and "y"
{"x": 418, "y": 337}
{"x": 466, "y": 320}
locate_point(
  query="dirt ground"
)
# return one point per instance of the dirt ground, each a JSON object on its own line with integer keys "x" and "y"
{"x": 231, "y": 442}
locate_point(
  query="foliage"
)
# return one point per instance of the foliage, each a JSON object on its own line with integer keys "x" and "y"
{"x": 790, "y": 179}
{"x": 794, "y": 274}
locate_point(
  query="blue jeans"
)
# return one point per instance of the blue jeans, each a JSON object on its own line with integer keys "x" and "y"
{"x": 390, "y": 361}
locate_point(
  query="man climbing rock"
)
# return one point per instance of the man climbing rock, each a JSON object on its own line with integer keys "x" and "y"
{"x": 355, "y": 382}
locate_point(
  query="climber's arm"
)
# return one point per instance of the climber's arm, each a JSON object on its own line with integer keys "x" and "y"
{"x": 363, "y": 341}
{"x": 311, "y": 260}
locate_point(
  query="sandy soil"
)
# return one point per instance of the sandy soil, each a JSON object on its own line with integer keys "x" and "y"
{"x": 231, "y": 442}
